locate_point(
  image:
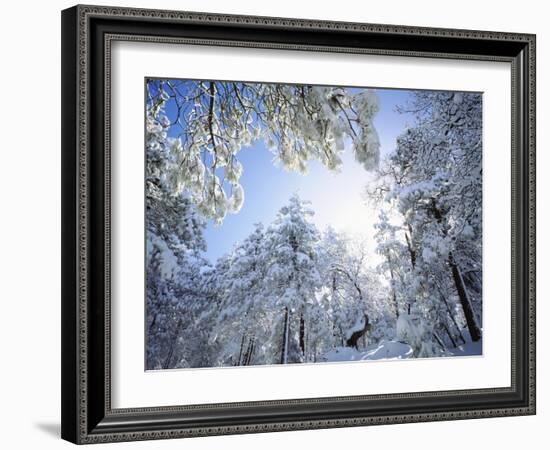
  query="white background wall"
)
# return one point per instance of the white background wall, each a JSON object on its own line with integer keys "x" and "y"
{"x": 30, "y": 223}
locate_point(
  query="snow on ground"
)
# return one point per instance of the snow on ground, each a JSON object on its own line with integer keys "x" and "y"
{"x": 382, "y": 350}
{"x": 389, "y": 350}
{"x": 469, "y": 349}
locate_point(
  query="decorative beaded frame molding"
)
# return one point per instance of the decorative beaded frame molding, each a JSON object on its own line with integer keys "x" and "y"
{"x": 87, "y": 35}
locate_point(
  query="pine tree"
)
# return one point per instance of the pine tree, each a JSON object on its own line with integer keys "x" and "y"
{"x": 292, "y": 278}
{"x": 433, "y": 182}
{"x": 242, "y": 323}
{"x": 174, "y": 244}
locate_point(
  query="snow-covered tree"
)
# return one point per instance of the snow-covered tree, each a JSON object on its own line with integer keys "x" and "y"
{"x": 214, "y": 120}
{"x": 292, "y": 280}
{"x": 242, "y": 323}
{"x": 346, "y": 294}
{"x": 432, "y": 184}
{"x": 173, "y": 258}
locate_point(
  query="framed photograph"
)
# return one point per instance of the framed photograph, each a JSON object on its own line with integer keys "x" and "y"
{"x": 280, "y": 224}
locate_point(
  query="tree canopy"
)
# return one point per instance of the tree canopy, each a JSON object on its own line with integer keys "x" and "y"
{"x": 211, "y": 121}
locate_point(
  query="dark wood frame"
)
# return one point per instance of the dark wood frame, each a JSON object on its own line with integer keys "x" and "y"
{"x": 87, "y": 33}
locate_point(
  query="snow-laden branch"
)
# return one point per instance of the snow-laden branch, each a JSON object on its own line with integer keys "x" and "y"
{"x": 202, "y": 126}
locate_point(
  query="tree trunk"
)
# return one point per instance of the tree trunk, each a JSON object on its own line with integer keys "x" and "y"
{"x": 394, "y": 297}
{"x": 302, "y": 335}
{"x": 152, "y": 324}
{"x": 238, "y": 363}
{"x": 249, "y": 351}
{"x": 473, "y": 328}
{"x": 451, "y": 315}
{"x": 252, "y": 348}
{"x": 450, "y": 335}
{"x": 168, "y": 360}
{"x": 284, "y": 350}
{"x": 412, "y": 252}
{"x": 439, "y": 341}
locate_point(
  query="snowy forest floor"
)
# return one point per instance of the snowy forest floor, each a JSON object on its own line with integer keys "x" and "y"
{"x": 392, "y": 350}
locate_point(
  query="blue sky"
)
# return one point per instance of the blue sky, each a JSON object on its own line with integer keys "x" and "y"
{"x": 336, "y": 197}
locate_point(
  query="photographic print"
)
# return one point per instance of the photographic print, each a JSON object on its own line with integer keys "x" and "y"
{"x": 290, "y": 223}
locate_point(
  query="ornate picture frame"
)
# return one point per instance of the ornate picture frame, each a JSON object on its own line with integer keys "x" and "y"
{"x": 88, "y": 33}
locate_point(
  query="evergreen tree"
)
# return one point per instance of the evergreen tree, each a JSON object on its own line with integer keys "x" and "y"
{"x": 292, "y": 278}
{"x": 174, "y": 245}
{"x": 242, "y": 324}
{"x": 432, "y": 184}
